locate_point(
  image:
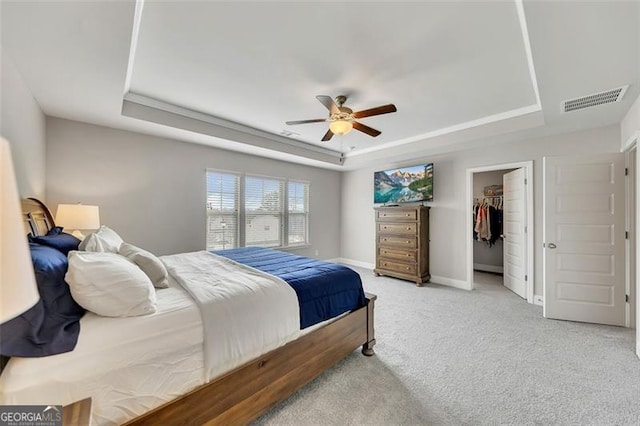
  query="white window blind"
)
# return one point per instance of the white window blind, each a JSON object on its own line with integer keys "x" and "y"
{"x": 298, "y": 213}
{"x": 264, "y": 211}
{"x": 255, "y": 211}
{"x": 223, "y": 208}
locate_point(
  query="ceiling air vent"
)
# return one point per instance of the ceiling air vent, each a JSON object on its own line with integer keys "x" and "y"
{"x": 614, "y": 95}
{"x": 289, "y": 134}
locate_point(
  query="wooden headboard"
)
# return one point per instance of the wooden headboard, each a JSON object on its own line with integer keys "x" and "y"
{"x": 36, "y": 217}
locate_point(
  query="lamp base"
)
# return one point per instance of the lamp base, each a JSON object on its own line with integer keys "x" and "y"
{"x": 79, "y": 235}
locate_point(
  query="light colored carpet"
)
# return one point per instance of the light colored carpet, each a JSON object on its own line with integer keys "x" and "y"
{"x": 451, "y": 357}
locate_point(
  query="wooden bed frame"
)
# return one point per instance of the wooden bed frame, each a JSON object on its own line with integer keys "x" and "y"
{"x": 250, "y": 390}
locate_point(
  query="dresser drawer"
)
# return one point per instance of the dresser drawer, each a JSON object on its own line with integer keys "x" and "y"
{"x": 409, "y": 242}
{"x": 397, "y": 214}
{"x": 402, "y": 242}
{"x": 390, "y": 265}
{"x": 397, "y": 228}
{"x": 391, "y": 253}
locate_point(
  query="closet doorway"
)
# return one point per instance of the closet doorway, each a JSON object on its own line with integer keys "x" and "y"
{"x": 500, "y": 225}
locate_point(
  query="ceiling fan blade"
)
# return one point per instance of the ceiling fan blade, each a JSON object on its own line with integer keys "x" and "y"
{"x": 316, "y": 120}
{"x": 327, "y": 135}
{"x": 384, "y": 109}
{"x": 366, "y": 129}
{"x": 328, "y": 102}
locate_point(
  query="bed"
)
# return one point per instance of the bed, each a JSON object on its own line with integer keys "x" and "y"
{"x": 128, "y": 353}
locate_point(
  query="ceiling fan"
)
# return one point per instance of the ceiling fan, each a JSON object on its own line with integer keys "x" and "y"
{"x": 343, "y": 119}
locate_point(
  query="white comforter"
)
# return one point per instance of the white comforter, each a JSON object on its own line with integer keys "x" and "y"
{"x": 131, "y": 365}
{"x": 117, "y": 363}
{"x": 245, "y": 312}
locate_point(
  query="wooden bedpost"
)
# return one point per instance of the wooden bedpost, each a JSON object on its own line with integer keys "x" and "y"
{"x": 367, "y": 348}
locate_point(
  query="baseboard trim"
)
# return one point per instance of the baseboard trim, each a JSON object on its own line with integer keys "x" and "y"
{"x": 488, "y": 268}
{"x": 450, "y": 282}
{"x": 538, "y": 300}
{"x": 366, "y": 265}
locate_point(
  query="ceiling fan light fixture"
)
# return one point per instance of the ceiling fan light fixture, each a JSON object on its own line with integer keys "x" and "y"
{"x": 341, "y": 127}
{"x": 342, "y": 119}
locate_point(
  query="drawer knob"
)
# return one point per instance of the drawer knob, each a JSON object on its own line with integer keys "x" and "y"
{"x": 407, "y": 241}
{"x": 408, "y": 268}
{"x": 408, "y": 255}
{"x": 408, "y": 228}
{"x": 408, "y": 215}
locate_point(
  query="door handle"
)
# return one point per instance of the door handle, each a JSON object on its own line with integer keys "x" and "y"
{"x": 551, "y": 246}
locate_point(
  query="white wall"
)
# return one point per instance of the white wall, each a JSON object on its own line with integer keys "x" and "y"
{"x": 22, "y": 123}
{"x": 449, "y": 211}
{"x": 630, "y": 125}
{"x": 152, "y": 190}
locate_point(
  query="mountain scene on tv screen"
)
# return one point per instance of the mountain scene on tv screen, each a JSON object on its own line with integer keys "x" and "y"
{"x": 404, "y": 185}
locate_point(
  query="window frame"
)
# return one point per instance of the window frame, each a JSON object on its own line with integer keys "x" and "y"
{"x": 306, "y": 213}
{"x": 238, "y": 200}
{"x": 282, "y": 211}
{"x": 242, "y": 212}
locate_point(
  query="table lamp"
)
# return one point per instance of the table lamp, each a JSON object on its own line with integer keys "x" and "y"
{"x": 77, "y": 217}
{"x": 18, "y": 289}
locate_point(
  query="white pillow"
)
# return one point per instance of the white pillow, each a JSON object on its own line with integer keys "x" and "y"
{"x": 104, "y": 239}
{"x": 109, "y": 285}
{"x": 149, "y": 263}
{"x": 92, "y": 243}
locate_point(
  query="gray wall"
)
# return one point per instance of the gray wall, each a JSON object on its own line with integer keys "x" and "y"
{"x": 449, "y": 212}
{"x": 22, "y": 123}
{"x": 630, "y": 124}
{"x": 152, "y": 190}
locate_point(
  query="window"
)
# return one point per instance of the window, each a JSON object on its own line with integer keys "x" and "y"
{"x": 264, "y": 215}
{"x": 298, "y": 213}
{"x": 245, "y": 210}
{"x": 222, "y": 210}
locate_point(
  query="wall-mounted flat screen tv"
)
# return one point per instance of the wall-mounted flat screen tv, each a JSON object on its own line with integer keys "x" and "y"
{"x": 403, "y": 185}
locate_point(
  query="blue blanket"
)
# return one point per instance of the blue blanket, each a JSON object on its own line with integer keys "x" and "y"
{"x": 324, "y": 289}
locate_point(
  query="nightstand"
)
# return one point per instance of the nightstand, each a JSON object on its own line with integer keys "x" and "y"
{"x": 77, "y": 413}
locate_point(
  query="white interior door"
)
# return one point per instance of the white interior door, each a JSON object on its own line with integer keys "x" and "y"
{"x": 584, "y": 275}
{"x": 514, "y": 222}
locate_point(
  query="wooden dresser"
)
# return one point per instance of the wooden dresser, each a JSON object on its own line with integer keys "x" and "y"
{"x": 402, "y": 243}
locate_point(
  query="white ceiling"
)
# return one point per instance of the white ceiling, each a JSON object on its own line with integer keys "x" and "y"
{"x": 229, "y": 74}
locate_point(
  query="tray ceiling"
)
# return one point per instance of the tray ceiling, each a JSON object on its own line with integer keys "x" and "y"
{"x": 261, "y": 64}
{"x": 229, "y": 74}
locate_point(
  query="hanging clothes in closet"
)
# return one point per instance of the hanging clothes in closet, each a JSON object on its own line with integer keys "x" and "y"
{"x": 487, "y": 219}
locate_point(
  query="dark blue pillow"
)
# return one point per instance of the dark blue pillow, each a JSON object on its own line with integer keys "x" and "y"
{"x": 56, "y": 230}
{"x": 58, "y": 240}
{"x": 51, "y": 326}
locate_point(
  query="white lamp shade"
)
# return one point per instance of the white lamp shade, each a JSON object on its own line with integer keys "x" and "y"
{"x": 78, "y": 216}
{"x": 341, "y": 127}
{"x": 18, "y": 289}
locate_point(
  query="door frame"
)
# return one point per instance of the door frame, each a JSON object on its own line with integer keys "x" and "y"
{"x": 634, "y": 141}
{"x": 529, "y": 222}
{"x": 631, "y": 223}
